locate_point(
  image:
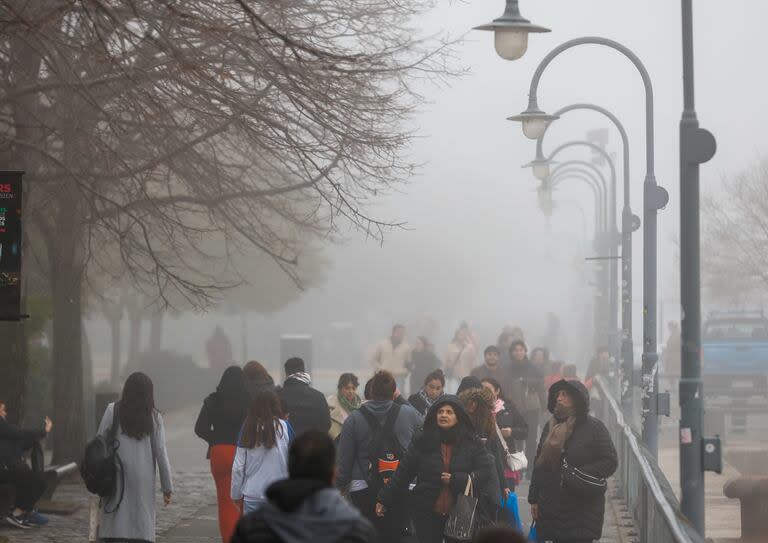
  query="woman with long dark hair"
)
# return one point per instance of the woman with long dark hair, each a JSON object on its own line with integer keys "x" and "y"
{"x": 433, "y": 389}
{"x": 441, "y": 458}
{"x": 262, "y": 451}
{"x": 130, "y": 514}
{"x": 511, "y": 423}
{"x": 219, "y": 423}
{"x": 257, "y": 377}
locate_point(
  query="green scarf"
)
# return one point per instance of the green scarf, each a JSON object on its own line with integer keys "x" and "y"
{"x": 347, "y": 405}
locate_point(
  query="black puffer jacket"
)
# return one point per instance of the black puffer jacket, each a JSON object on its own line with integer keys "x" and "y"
{"x": 424, "y": 463}
{"x": 305, "y": 407}
{"x": 564, "y": 516}
{"x": 510, "y": 417}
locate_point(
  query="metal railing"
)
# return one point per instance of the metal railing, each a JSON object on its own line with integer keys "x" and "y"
{"x": 648, "y": 495}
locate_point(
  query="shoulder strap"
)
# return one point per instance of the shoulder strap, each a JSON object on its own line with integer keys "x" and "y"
{"x": 112, "y": 435}
{"x": 501, "y": 438}
{"x": 389, "y": 423}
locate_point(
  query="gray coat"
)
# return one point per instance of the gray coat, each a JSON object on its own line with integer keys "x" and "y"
{"x": 355, "y": 439}
{"x": 135, "y": 518}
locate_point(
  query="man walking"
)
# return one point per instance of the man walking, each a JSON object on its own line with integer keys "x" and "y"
{"x": 305, "y": 507}
{"x": 305, "y": 407}
{"x": 393, "y": 354}
{"x": 373, "y": 440}
{"x": 492, "y": 367}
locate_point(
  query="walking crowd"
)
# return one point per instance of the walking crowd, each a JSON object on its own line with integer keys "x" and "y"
{"x": 292, "y": 466}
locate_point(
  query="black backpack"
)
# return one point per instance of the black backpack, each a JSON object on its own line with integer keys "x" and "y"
{"x": 101, "y": 465}
{"x": 385, "y": 451}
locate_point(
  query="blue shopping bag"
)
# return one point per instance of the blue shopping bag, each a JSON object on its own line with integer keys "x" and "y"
{"x": 533, "y": 536}
{"x": 512, "y": 511}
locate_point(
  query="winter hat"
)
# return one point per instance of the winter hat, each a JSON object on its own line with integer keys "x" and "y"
{"x": 468, "y": 382}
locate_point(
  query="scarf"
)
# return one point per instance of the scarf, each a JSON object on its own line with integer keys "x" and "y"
{"x": 348, "y": 406}
{"x": 301, "y": 376}
{"x": 445, "y": 499}
{"x": 561, "y": 427}
{"x": 427, "y": 400}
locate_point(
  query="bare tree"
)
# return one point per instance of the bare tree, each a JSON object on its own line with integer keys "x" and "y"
{"x": 735, "y": 242}
{"x": 147, "y": 126}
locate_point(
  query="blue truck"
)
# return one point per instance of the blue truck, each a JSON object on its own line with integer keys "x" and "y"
{"x": 735, "y": 355}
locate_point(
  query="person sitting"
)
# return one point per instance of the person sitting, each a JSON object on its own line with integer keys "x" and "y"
{"x": 306, "y": 506}
{"x": 29, "y": 485}
{"x": 305, "y": 407}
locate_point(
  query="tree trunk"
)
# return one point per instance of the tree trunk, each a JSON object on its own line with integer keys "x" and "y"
{"x": 14, "y": 366}
{"x": 114, "y": 332}
{"x": 156, "y": 332}
{"x": 69, "y": 433}
{"x": 134, "y": 333}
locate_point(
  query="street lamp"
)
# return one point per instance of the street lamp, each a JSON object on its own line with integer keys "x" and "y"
{"x": 629, "y": 223}
{"x": 655, "y": 198}
{"x": 535, "y": 122}
{"x": 697, "y": 146}
{"x": 511, "y": 32}
{"x": 541, "y": 167}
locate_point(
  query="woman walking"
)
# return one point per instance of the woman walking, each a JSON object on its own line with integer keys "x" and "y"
{"x": 262, "y": 451}
{"x": 219, "y": 423}
{"x": 564, "y": 510}
{"x": 423, "y": 362}
{"x": 344, "y": 402}
{"x": 512, "y": 426}
{"x": 130, "y": 514}
{"x": 441, "y": 457}
{"x": 461, "y": 354}
{"x": 434, "y": 385}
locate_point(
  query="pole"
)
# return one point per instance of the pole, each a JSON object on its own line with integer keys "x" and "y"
{"x": 696, "y": 147}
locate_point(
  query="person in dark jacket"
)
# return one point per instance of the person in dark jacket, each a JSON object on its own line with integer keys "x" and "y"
{"x": 511, "y": 424}
{"x": 354, "y": 476}
{"x": 479, "y": 403}
{"x": 441, "y": 458}
{"x": 584, "y": 442}
{"x": 28, "y": 485}
{"x": 525, "y": 387}
{"x": 433, "y": 389}
{"x": 305, "y": 407}
{"x": 423, "y": 362}
{"x": 306, "y": 508}
{"x": 219, "y": 423}
{"x": 492, "y": 367}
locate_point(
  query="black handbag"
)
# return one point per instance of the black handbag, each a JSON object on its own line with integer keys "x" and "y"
{"x": 464, "y": 520}
{"x": 580, "y": 483}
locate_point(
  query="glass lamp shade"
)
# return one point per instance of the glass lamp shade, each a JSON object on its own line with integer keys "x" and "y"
{"x": 534, "y": 128}
{"x": 511, "y": 44}
{"x": 541, "y": 171}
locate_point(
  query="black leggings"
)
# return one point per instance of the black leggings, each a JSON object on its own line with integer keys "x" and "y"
{"x": 29, "y": 485}
{"x": 429, "y": 526}
{"x": 391, "y": 527}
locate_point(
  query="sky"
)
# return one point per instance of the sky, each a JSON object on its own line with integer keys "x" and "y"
{"x": 477, "y": 247}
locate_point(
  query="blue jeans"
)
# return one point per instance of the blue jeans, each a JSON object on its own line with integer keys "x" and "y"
{"x": 249, "y": 506}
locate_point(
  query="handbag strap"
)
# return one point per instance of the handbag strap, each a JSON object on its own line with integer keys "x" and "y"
{"x": 468, "y": 489}
{"x": 501, "y": 438}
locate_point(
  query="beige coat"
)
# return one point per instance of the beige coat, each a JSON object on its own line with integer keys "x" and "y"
{"x": 390, "y": 358}
{"x": 338, "y": 415}
{"x": 460, "y": 360}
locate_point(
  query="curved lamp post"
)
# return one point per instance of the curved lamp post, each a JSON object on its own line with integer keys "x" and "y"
{"x": 511, "y": 32}
{"x": 628, "y": 225}
{"x": 655, "y": 198}
{"x": 540, "y": 162}
{"x": 597, "y": 184}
